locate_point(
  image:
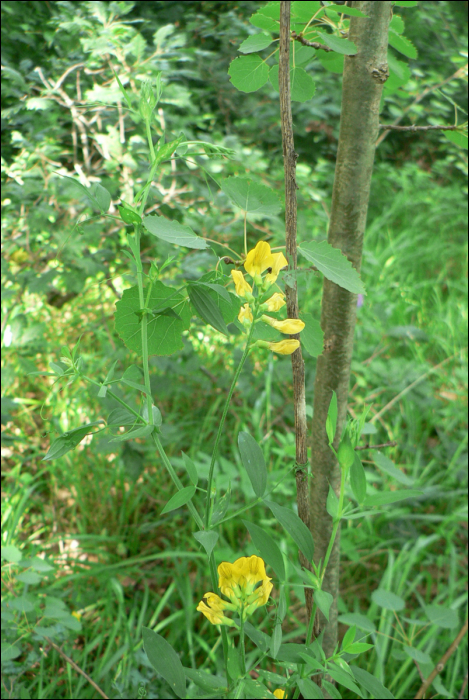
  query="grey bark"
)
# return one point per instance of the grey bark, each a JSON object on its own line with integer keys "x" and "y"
{"x": 364, "y": 75}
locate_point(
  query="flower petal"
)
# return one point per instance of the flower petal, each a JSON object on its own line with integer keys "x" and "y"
{"x": 241, "y": 286}
{"x": 245, "y": 315}
{"x": 278, "y": 262}
{"x": 275, "y": 302}
{"x": 289, "y": 325}
{"x": 259, "y": 259}
{"x": 285, "y": 347}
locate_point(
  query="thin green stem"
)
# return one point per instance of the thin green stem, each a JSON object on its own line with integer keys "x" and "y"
{"x": 175, "y": 478}
{"x": 221, "y": 425}
{"x": 241, "y": 645}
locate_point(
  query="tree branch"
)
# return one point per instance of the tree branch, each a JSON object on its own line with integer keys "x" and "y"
{"x": 313, "y": 44}
{"x": 439, "y": 127}
{"x": 442, "y": 662}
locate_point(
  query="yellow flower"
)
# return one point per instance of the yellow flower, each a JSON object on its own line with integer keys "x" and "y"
{"x": 259, "y": 259}
{"x": 279, "y": 261}
{"x": 279, "y": 693}
{"x": 275, "y": 302}
{"x": 243, "y": 289}
{"x": 77, "y": 615}
{"x": 245, "y": 315}
{"x": 239, "y": 582}
{"x": 212, "y": 607}
{"x": 290, "y": 325}
{"x": 284, "y": 347}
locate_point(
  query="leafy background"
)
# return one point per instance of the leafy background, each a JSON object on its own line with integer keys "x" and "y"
{"x": 111, "y": 555}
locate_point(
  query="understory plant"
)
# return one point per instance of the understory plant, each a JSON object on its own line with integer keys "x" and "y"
{"x": 250, "y": 298}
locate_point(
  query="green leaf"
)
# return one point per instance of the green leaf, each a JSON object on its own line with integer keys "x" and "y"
{"x": 381, "y": 499}
{"x": 142, "y": 432}
{"x": 260, "y": 639}
{"x": 324, "y": 600}
{"x": 300, "y": 55}
{"x": 332, "y": 412}
{"x": 123, "y": 90}
{"x": 421, "y": 657}
{"x": 359, "y": 648}
{"x": 248, "y": 73}
{"x": 343, "y": 46}
{"x": 312, "y": 336}
{"x": 250, "y": 196}
{"x": 257, "y": 42}
{"x": 179, "y": 499}
{"x": 302, "y": 86}
{"x": 305, "y": 9}
{"x": 387, "y": 466}
{"x": 131, "y": 374}
{"x": 68, "y": 441}
{"x": 343, "y": 678}
{"x": 221, "y": 506}
{"x": 206, "y": 308}
{"x": 349, "y": 637}
{"x": 208, "y": 539}
{"x": 255, "y": 689}
{"x": 275, "y": 641}
{"x": 332, "y": 503}
{"x": 295, "y": 528}
{"x": 121, "y": 416}
{"x": 164, "y": 332}
{"x": 309, "y": 689}
{"x": 206, "y": 681}
{"x": 442, "y": 616}
{"x": 358, "y": 479}
{"x": 344, "y": 9}
{"x": 268, "y": 548}
{"x": 173, "y": 232}
{"x": 397, "y": 24}
{"x": 402, "y": 44}
{"x": 457, "y": 137}
{"x": 360, "y": 621}
{"x": 371, "y": 683}
{"x": 331, "y": 61}
{"x": 101, "y": 196}
{"x": 253, "y": 461}
{"x": 333, "y": 265}
{"x": 190, "y": 468}
{"x": 387, "y": 600}
{"x": 165, "y": 661}
{"x": 331, "y": 690}
{"x": 405, "y": 3}
{"x": 261, "y": 21}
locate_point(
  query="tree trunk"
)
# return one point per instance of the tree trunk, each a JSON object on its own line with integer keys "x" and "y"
{"x": 364, "y": 75}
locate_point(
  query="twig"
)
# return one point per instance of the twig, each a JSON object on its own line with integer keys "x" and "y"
{"x": 410, "y": 387}
{"x": 313, "y": 44}
{"x": 393, "y": 443}
{"x": 459, "y": 74}
{"x": 441, "y": 663}
{"x": 439, "y": 127}
{"x": 77, "y": 668}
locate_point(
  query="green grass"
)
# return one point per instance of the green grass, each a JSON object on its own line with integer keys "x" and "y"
{"x": 96, "y": 516}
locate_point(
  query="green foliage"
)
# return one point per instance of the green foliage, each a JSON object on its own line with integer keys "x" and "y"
{"x": 86, "y": 532}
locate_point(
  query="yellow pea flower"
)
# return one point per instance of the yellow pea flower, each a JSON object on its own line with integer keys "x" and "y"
{"x": 245, "y": 315}
{"x": 290, "y": 325}
{"x": 275, "y": 302}
{"x": 279, "y": 261}
{"x": 243, "y": 289}
{"x": 284, "y": 347}
{"x": 279, "y": 693}
{"x": 258, "y": 259}
{"x": 239, "y": 582}
{"x": 212, "y": 607}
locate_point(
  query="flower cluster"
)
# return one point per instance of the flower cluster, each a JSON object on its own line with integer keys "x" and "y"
{"x": 246, "y": 585}
{"x": 261, "y": 260}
